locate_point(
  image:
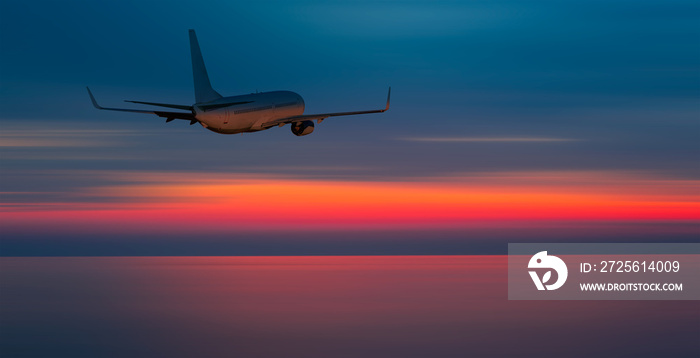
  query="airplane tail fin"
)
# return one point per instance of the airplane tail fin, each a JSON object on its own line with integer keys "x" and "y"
{"x": 203, "y": 92}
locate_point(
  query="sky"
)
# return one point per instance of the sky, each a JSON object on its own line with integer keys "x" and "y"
{"x": 510, "y": 121}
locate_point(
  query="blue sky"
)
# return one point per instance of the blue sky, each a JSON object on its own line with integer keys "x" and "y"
{"x": 623, "y": 74}
{"x": 477, "y": 86}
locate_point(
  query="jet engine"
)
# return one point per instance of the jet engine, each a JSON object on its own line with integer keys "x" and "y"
{"x": 302, "y": 128}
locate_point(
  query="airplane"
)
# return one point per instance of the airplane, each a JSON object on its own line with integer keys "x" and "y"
{"x": 238, "y": 114}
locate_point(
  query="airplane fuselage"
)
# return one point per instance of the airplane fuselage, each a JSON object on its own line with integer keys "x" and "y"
{"x": 256, "y": 109}
{"x": 237, "y": 114}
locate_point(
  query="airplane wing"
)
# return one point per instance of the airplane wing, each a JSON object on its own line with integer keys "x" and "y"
{"x": 321, "y": 116}
{"x": 170, "y": 116}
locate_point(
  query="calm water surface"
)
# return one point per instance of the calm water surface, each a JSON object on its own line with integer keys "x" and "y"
{"x": 322, "y": 306}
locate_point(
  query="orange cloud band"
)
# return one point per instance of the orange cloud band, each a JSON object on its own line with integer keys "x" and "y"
{"x": 149, "y": 203}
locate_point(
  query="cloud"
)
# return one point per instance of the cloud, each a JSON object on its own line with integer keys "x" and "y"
{"x": 24, "y": 138}
{"x": 202, "y": 211}
{"x": 489, "y": 139}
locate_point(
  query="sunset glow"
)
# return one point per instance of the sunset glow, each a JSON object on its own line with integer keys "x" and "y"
{"x": 170, "y": 202}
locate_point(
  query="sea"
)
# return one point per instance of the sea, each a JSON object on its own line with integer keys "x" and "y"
{"x": 315, "y": 306}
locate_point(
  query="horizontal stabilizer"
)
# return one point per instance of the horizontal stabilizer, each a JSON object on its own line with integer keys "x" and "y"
{"x": 176, "y": 106}
{"x": 169, "y": 115}
{"x": 209, "y": 107}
